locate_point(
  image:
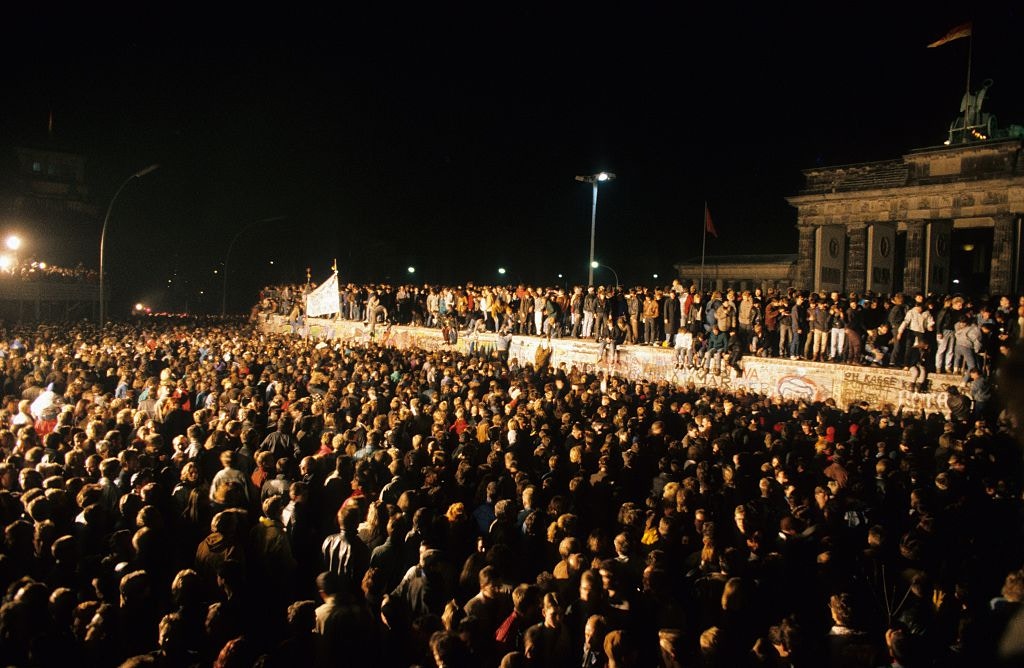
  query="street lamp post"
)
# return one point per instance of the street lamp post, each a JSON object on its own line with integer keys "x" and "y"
{"x": 227, "y": 256}
{"x": 103, "y": 234}
{"x": 594, "y": 179}
{"x": 594, "y": 265}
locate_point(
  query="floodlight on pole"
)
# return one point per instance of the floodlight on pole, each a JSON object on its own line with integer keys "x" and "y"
{"x": 103, "y": 233}
{"x": 595, "y": 265}
{"x": 594, "y": 179}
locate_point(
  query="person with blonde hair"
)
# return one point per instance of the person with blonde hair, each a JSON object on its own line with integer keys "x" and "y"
{"x": 620, "y": 649}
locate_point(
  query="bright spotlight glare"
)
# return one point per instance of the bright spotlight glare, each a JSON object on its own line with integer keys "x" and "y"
{"x": 501, "y": 270}
{"x": 13, "y": 242}
{"x": 6, "y": 262}
{"x": 411, "y": 270}
{"x": 603, "y": 176}
{"x": 139, "y": 307}
{"x": 594, "y": 265}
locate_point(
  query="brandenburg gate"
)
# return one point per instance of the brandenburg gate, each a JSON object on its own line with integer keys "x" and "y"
{"x": 938, "y": 220}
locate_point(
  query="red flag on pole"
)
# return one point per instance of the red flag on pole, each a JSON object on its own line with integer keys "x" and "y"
{"x": 962, "y": 30}
{"x": 709, "y": 226}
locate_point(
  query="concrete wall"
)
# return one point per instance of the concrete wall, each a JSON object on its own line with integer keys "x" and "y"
{"x": 810, "y": 381}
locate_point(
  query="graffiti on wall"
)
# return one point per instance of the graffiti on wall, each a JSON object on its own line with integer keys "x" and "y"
{"x": 798, "y": 388}
{"x": 880, "y": 388}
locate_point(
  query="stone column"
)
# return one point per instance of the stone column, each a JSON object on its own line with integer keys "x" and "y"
{"x": 805, "y": 261}
{"x": 857, "y": 257}
{"x": 913, "y": 269}
{"x": 1001, "y": 277}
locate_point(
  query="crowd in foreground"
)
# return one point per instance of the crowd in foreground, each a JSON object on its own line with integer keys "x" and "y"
{"x": 935, "y": 333}
{"x": 208, "y": 494}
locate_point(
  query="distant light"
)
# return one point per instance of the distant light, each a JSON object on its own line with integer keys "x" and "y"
{"x": 968, "y": 247}
{"x": 42, "y": 265}
{"x": 654, "y": 275}
{"x": 501, "y": 270}
{"x": 946, "y": 142}
{"x": 559, "y": 275}
{"x": 13, "y": 242}
{"x": 271, "y": 262}
{"x": 956, "y": 281}
{"x": 595, "y": 264}
{"x": 201, "y": 292}
{"x": 603, "y": 176}
{"x": 411, "y": 270}
{"x": 215, "y": 271}
{"x": 6, "y": 262}
{"x": 140, "y": 307}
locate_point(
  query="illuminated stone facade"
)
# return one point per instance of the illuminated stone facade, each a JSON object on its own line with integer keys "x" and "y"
{"x": 921, "y": 200}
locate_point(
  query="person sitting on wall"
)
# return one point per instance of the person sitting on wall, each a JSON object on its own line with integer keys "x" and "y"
{"x": 878, "y": 346}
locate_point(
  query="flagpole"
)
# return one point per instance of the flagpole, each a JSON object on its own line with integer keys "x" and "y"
{"x": 703, "y": 246}
{"x": 967, "y": 93}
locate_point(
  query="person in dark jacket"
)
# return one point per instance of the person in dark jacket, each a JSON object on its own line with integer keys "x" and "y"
{"x": 280, "y": 442}
{"x": 897, "y": 313}
{"x": 669, "y": 317}
{"x": 344, "y": 553}
{"x": 854, "y": 333}
{"x": 613, "y": 336}
{"x": 797, "y": 327}
{"x": 959, "y": 405}
{"x": 735, "y": 350}
{"x": 717, "y": 344}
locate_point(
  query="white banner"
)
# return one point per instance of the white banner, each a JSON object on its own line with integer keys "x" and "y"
{"x": 324, "y": 300}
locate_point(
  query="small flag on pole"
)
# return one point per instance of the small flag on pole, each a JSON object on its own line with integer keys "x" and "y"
{"x": 709, "y": 226}
{"x": 962, "y": 30}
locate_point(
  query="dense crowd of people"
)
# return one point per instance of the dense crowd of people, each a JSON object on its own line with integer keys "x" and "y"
{"x": 936, "y": 334}
{"x": 32, "y": 270}
{"x": 196, "y": 494}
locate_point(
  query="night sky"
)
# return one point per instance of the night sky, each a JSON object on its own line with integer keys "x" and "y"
{"x": 449, "y": 140}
